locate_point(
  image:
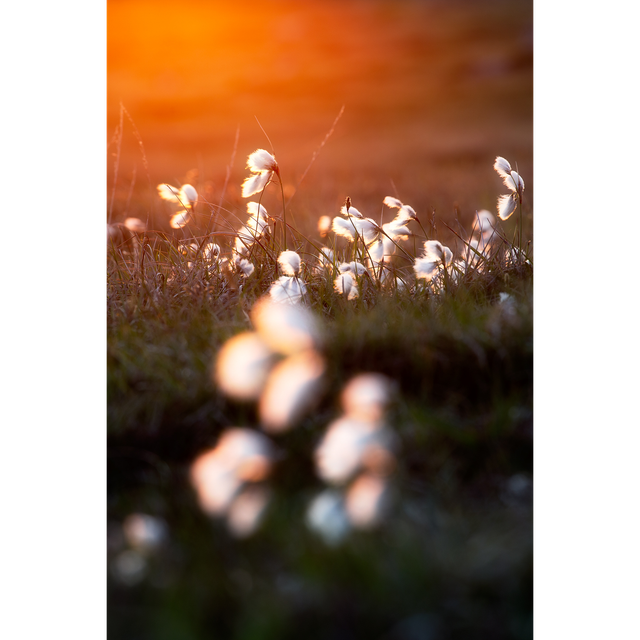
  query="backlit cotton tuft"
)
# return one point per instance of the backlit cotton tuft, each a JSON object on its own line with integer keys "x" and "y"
{"x": 263, "y": 165}
{"x": 242, "y": 366}
{"x": 293, "y": 387}
{"x": 286, "y": 329}
{"x": 241, "y": 456}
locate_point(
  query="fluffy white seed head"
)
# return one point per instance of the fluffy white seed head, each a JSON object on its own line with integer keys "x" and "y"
{"x": 255, "y": 183}
{"x": 345, "y": 284}
{"x": 256, "y": 210}
{"x": 180, "y": 219}
{"x": 261, "y": 160}
{"x": 285, "y": 328}
{"x": 436, "y": 251}
{"x": 507, "y": 205}
{"x": 502, "y": 166}
{"x": 242, "y": 366}
{"x": 406, "y": 212}
{"x": 517, "y": 181}
{"x": 425, "y": 268}
{"x": 169, "y": 193}
{"x": 367, "y": 229}
{"x": 484, "y": 221}
{"x": 324, "y": 225}
{"x": 289, "y": 262}
{"x": 188, "y": 196}
{"x": 392, "y": 202}
{"x": 287, "y": 290}
{"x": 343, "y": 228}
{"x": 292, "y": 389}
{"x": 135, "y": 224}
{"x": 356, "y": 268}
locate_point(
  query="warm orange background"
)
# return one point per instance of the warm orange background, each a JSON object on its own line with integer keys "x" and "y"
{"x": 432, "y": 90}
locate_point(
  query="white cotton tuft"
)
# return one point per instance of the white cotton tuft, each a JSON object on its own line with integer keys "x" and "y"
{"x": 502, "y": 166}
{"x": 255, "y": 183}
{"x": 343, "y": 228}
{"x": 292, "y": 388}
{"x": 289, "y": 262}
{"x": 435, "y": 251}
{"x": 180, "y": 219}
{"x": 256, "y": 210}
{"x": 135, "y": 224}
{"x": 324, "y": 225}
{"x": 242, "y": 366}
{"x": 425, "y": 268}
{"x": 392, "y": 202}
{"x": 188, "y": 196}
{"x": 484, "y": 221}
{"x": 367, "y": 228}
{"x": 517, "y": 181}
{"x": 167, "y": 192}
{"x": 261, "y": 160}
{"x": 356, "y": 268}
{"x": 243, "y": 266}
{"x": 287, "y": 290}
{"x": 345, "y": 285}
{"x": 506, "y": 205}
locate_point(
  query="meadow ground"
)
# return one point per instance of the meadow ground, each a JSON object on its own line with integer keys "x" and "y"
{"x": 432, "y": 93}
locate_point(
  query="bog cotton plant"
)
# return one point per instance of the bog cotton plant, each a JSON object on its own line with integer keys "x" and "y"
{"x": 354, "y": 457}
{"x": 289, "y": 288}
{"x": 186, "y": 197}
{"x": 435, "y": 256}
{"x": 229, "y": 479}
{"x": 264, "y": 167}
{"x": 507, "y": 203}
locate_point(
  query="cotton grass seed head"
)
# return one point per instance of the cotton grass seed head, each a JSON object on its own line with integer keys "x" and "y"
{"x": 180, "y": 219}
{"x": 435, "y": 250}
{"x": 261, "y": 160}
{"x": 425, "y": 268}
{"x": 483, "y": 221}
{"x": 186, "y": 196}
{"x": 135, "y": 224}
{"x": 286, "y": 329}
{"x": 289, "y": 262}
{"x": 326, "y": 517}
{"x": 293, "y": 387}
{"x": 405, "y": 212}
{"x": 324, "y": 226}
{"x": 366, "y": 396}
{"x": 263, "y": 165}
{"x": 502, "y": 166}
{"x": 345, "y": 284}
{"x": 241, "y": 456}
{"x": 507, "y": 205}
{"x": 366, "y": 501}
{"x": 287, "y": 290}
{"x": 242, "y": 366}
{"x": 344, "y": 228}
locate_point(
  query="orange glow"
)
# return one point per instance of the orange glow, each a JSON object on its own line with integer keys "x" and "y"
{"x": 429, "y": 90}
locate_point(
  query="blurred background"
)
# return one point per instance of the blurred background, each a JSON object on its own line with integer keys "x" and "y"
{"x": 432, "y": 92}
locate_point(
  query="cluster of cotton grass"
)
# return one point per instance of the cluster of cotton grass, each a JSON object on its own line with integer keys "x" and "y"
{"x": 278, "y": 363}
{"x": 355, "y": 458}
{"x": 278, "y": 366}
{"x": 355, "y": 254}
